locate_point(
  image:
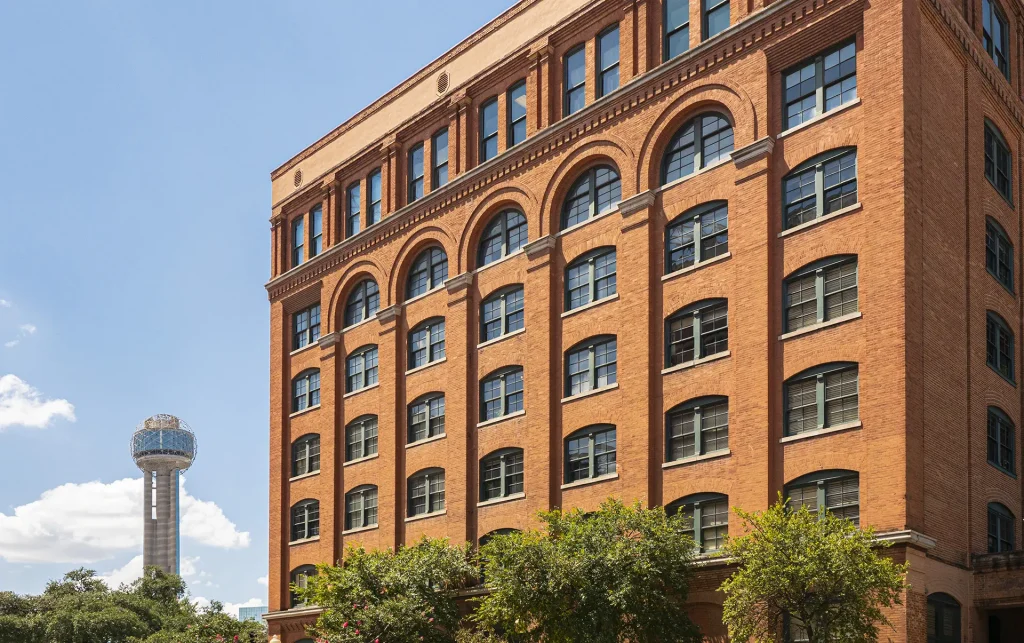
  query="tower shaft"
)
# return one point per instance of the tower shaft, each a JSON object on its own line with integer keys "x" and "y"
{"x": 160, "y": 518}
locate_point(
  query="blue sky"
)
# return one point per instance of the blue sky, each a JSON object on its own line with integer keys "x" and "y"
{"x": 136, "y": 142}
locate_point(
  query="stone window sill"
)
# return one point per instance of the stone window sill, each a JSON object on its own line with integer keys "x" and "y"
{"x": 499, "y": 338}
{"x": 697, "y": 266}
{"x": 839, "y": 428}
{"x": 424, "y": 295}
{"x": 434, "y": 438}
{"x": 692, "y": 175}
{"x": 362, "y": 459}
{"x": 426, "y": 516}
{"x": 820, "y": 326}
{"x": 514, "y": 253}
{"x": 303, "y": 541}
{"x": 592, "y": 304}
{"x": 359, "y": 323}
{"x": 304, "y": 476}
{"x": 590, "y": 481}
{"x": 358, "y": 530}
{"x": 498, "y": 420}
{"x": 825, "y": 219}
{"x": 426, "y": 366}
{"x": 304, "y": 411}
{"x": 498, "y": 501}
{"x": 817, "y": 119}
{"x": 581, "y": 224}
{"x": 696, "y": 362}
{"x": 360, "y": 390}
{"x": 595, "y": 391}
{"x": 697, "y": 458}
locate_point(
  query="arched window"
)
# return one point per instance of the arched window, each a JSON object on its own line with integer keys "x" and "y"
{"x": 501, "y": 474}
{"x": 505, "y": 234}
{"x": 306, "y": 390}
{"x": 502, "y": 313}
{"x": 361, "y": 369}
{"x": 700, "y": 142}
{"x": 697, "y": 235}
{"x": 824, "y": 291}
{"x": 426, "y": 417}
{"x": 362, "y": 303}
{"x": 999, "y": 346}
{"x": 697, "y": 427}
{"x": 305, "y": 520}
{"x": 998, "y": 253}
{"x": 429, "y": 271}
{"x": 591, "y": 364}
{"x": 299, "y": 579}
{"x": 705, "y": 517}
{"x": 820, "y": 186}
{"x": 995, "y": 34}
{"x": 943, "y": 619}
{"x": 504, "y": 531}
{"x": 426, "y": 492}
{"x": 501, "y": 393}
{"x": 698, "y": 331}
{"x": 306, "y": 455}
{"x": 1000, "y": 528}
{"x": 1001, "y": 433}
{"x": 590, "y": 453}
{"x": 837, "y": 491}
{"x": 590, "y": 278}
{"x": 596, "y": 192}
{"x": 361, "y": 508}
{"x": 825, "y": 396}
{"x": 361, "y": 438}
{"x": 998, "y": 162}
{"x": 426, "y": 343}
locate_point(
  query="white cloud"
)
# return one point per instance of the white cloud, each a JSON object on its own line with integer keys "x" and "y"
{"x": 263, "y": 580}
{"x": 232, "y": 608}
{"x": 4, "y": 303}
{"x": 12, "y": 343}
{"x": 93, "y": 521}
{"x": 27, "y": 329}
{"x": 124, "y": 575}
{"x": 189, "y": 567}
{"x": 23, "y": 405}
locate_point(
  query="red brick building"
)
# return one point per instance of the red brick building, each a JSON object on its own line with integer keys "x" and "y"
{"x": 693, "y": 253}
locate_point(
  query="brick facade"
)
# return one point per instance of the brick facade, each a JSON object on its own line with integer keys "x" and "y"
{"x": 924, "y": 89}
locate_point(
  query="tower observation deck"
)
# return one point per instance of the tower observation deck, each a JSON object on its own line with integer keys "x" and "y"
{"x": 162, "y": 447}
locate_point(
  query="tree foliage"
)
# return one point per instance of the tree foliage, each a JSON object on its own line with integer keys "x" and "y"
{"x": 619, "y": 574}
{"x": 383, "y": 596}
{"x": 80, "y": 608}
{"x": 816, "y": 567}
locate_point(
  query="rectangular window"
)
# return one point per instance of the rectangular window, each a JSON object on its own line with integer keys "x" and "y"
{"x": 426, "y": 419}
{"x": 999, "y": 254}
{"x": 516, "y": 100}
{"x": 298, "y": 241}
{"x": 489, "y": 130}
{"x": 374, "y": 212}
{"x": 1001, "y": 439}
{"x": 716, "y": 17}
{"x": 677, "y": 27}
{"x": 361, "y": 370}
{"x": 823, "y": 185}
{"x": 996, "y": 35}
{"x": 590, "y": 454}
{"x": 426, "y": 493}
{"x": 820, "y": 84}
{"x": 591, "y": 367}
{"x": 826, "y": 399}
{"x": 698, "y": 333}
{"x": 352, "y": 209}
{"x": 316, "y": 219}
{"x": 575, "y": 80}
{"x": 684, "y": 250}
{"x": 839, "y": 496}
{"x": 361, "y": 439}
{"x": 415, "y": 173}
{"x": 306, "y": 327}
{"x": 698, "y": 430}
{"x": 502, "y": 314}
{"x": 439, "y": 153}
{"x": 998, "y": 164}
{"x": 1000, "y": 529}
{"x": 608, "y": 61}
{"x": 999, "y": 347}
{"x": 820, "y": 294}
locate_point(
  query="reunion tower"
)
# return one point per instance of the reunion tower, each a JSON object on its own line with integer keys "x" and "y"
{"x": 162, "y": 446}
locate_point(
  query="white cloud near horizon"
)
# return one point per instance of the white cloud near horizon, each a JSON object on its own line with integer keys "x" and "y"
{"x": 23, "y": 405}
{"x": 28, "y": 329}
{"x": 4, "y": 303}
{"x": 263, "y": 580}
{"x": 12, "y": 343}
{"x": 93, "y": 521}
{"x": 231, "y": 608}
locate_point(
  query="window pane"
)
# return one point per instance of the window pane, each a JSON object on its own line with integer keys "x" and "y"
{"x": 514, "y": 392}
{"x": 801, "y": 303}
{"x": 517, "y": 114}
{"x": 604, "y": 275}
{"x": 373, "y": 216}
{"x": 440, "y": 154}
{"x": 801, "y": 201}
{"x": 604, "y": 453}
{"x": 682, "y": 435}
{"x": 575, "y": 81}
{"x": 842, "y": 498}
{"x": 801, "y": 406}
{"x": 681, "y": 344}
{"x": 578, "y": 465}
{"x": 579, "y": 371}
{"x": 714, "y": 432}
{"x": 677, "y": 32}
{"x": 514, "y": 310}
{"x": 714, "y": 524}
{"x": 605, "y": 363}
{"x": 608, "y": 52}
{"x": 841, "y": 400}
{"x": 840, "y": 290}
{"x": 716, "y": 17}
{"x": 680, "y": 155}
{"x": 714, "y": 330}
{"x": 681, "y": 249}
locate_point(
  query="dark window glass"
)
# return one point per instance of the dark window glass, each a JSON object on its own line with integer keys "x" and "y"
{"x": 306, "y": 455}
{"x": 825, "y": 184}
{"x": 999, "y": 346}
{"x": 363, "y": 303}
{"x": 590, "y": 278}
{"x": 361, "y": 508}
{"x": 716, "y": 17}
{"x": 998, "y": 165}
{"x": 596, "y": 192}
{"x": 697, "y": 428}
{"x": 316, "y": 222}
{"x": 517, "y": 113}
{"x": 361, "y": 369}
{"x": 426, "y": 418}
{"x": 501, "y": 314}
{"x": 429, "y": 271}
{"x": 944, "y": 619}
{"x": 824, "y": 291}
{"x": 677, "y": 27}
{"x": 306, "y": 390}
{"x": 1001, "y": 439}
{"x": 1000, "y": 529}
{"x": 489, "y": 130}
{"x": 999, "y": 254}
{"x": 608, "y": 61}
{"x": 685, "y": 248}
{"x": 305, "y": 520}
{"x": 306, "y": 327}
{"x": 820, "y": 84}
{"x": 702, "y": 141}
{"x": 426, "y": 343}
{"x": 698, "y": 331}
{"x": 439, "y": 152}
{"x": 575, "y": 80}
{"x": 415, "y": 173}
{"x": 705, "y": 518}
{"x": 299, "y": 578}
{"x": 501, "y": 475}
{"x": 837, "y": 492}
{"x": 591, "y": 365}
{"x": 361, "y": 438}
{"x": 353, "y": 213}
{"x": 590, "y": 453}
{"x": 826, "y": 397}
{"x": 298, "y": 241}
{"x": 426, "y": 492}
{"x": 374, "y": 213}
{"x": 996, "y": 35}
{"x": 501, "y": 394}
{"x": 505, "y": 234}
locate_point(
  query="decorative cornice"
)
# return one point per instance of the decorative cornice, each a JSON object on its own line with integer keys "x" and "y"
{"x": 541, "y": 246}
{"x": 907, "y": 537}
{"x": 299, "y": 612}
{"x": 636, "y": 203}
{"x": 459, "y": 282}
{"x": 389, "y": 314}
{"x": 756, "y": 151}
{"x": 329, "y": 340}
{"x": 390, "y": 144}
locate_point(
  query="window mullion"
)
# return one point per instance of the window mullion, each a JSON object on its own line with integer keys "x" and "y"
{"x": 592, "y": 366}
{"x": 698, "y": 416}
{"x": 819, "y": 191}
{"x": 696, "y": 240}
{"x": 696, "y": 336}
{"x": 591, "y": 464}
{"x": 503, "y": 322}
{"x": 592, "y": 275}
{"x": 819, "y": 293}
{"x": 502, "y": 472}
{"x": 698, "y": 534}
{"x": 698, "y": 145}
{"x": 819, "y": 86}
{"x": 592, "y": 185}
{"x": 821, "y": 495}
{"x": 819, "y": 402}
{"x": 503, "y": 400}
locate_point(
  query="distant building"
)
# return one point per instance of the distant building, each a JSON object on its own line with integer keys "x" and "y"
{"x": 252, "y": 613}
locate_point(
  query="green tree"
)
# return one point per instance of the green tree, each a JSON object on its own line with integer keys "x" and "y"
{"x": 815, "y": 568}
{"x": 619, "y": 574}
{"x": 383, "y": 596}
